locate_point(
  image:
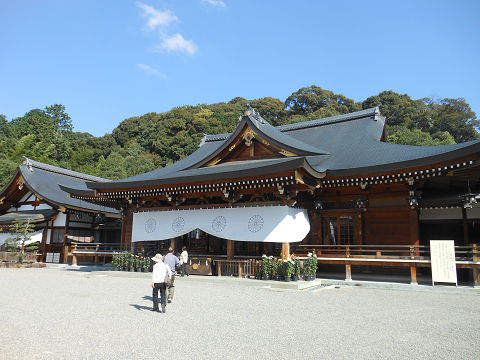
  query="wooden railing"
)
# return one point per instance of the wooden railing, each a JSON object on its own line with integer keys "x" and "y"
{"x": 411, "y": 252}
{"x": 412, "y": 256}
{"x": 97, "y": 250}
{"x": 240, "y": 268}
{"x": 87, "y": 248}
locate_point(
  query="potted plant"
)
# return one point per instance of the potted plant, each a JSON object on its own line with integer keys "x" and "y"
{"x": 277, "y": 269}
{"x": 266, "y": 267}
{"x": 116, "y": 261}
{"x": 310, "y": 266}
{"x": 139, "y": 263}
{"x": 146, "y": 264}
{"x": 296, "y": 268}
{"x": 288, "y": 268}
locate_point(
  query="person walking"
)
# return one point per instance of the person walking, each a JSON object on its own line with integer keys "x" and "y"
{"x": 184, "y": 259}
{"x": 160, "y": 270}
{"x": 172, "y": 261}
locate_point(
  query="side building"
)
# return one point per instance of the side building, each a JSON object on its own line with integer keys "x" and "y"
{"x": 34, "y": 194}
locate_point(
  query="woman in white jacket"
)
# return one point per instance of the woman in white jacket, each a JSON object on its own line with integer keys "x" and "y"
{"x": 160, "y": 270}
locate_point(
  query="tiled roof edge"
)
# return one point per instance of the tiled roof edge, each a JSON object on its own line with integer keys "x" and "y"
{"x": 55, "y": 169}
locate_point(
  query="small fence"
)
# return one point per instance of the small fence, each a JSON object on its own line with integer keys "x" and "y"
{"x": 240, "y": 268}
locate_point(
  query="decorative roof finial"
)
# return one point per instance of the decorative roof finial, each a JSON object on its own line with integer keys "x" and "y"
{"x": 249, "y": 111}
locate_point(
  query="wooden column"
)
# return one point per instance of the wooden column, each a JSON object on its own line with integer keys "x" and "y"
{"x": 285, "y": 251}
{"x": 230, "y": 249}
{"x": 348, "y": 271}
{"x": 358, "y": 228}
{"x": 414, "y": 228}
{"x": 465, "y": 227}
{"x": 173, "y": 243}
{"x": 476, "y": 270}
{"x": 413, "y": 274}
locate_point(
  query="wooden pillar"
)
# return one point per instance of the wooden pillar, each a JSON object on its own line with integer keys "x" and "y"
{"x": 230, "y": 249}
{"x": 476, "y": 270}
{"x": 465, "y": 227}
{"x": 74, "y": 260}
{"x": 285, "y": 251}
{"x": 122, "y": 231}
{"x": 173, "y": 243}
{"x": 357, "y": 225}
{"x": 413, "y": 274}
{"x": 414, "y": 228}
{"x": 348, "y": 271}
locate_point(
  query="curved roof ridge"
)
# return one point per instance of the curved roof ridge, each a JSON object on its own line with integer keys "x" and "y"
{"x": 55, "y": 169}
{"x": 371, "y": 112}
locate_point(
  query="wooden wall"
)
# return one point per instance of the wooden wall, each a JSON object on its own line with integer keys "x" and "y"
{"x": 391, "y": 226}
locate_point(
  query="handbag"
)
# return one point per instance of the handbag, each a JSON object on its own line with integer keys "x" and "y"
{"x": 168, "y": 279}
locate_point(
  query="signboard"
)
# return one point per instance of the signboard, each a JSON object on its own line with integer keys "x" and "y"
{"x": 442, "y": 255}
{"x": 52, "y": 258}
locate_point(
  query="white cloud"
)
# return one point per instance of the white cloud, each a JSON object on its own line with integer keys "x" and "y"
{"x": 176, "y": 42}
{"x": 156, "y": 18}
{"x": 151, "y": 70}
{"x": 215, "y": 3}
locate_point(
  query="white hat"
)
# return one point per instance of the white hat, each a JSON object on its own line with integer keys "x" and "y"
{"x": 157, "y": 258}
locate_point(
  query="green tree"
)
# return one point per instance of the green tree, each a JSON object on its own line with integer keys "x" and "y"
{"x": 314, "y": 99}
{"x": 21, "y": 231}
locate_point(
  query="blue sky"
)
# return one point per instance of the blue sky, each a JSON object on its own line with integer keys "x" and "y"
{"x": 112, "y": 59}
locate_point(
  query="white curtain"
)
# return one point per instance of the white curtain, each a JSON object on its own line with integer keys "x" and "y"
{"x": 280, "y": 224}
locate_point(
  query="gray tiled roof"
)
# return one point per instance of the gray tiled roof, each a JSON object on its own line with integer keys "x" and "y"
{"x": 45, "y": 180}
{"x": 338, "y": 145}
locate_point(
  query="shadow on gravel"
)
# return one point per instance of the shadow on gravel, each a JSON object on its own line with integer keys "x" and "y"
{"x": 147, "y": 298}
{"x": 141, "y": 307}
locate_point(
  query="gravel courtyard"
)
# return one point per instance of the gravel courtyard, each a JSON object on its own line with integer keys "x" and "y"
{"x": 64, "y": 314}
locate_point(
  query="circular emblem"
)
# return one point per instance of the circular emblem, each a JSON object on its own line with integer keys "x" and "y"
{"x": 178, "y": 224}
{"x": 255, "y": 223}
{"x": 219, "y": 223}
{"x": 195, "y": 266}
{"x": 150, "y": 225}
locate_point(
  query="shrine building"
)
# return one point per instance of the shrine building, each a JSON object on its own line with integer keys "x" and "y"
{"x": 333, "y": 185}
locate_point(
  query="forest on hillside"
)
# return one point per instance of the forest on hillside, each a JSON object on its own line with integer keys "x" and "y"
{"x": 143, "y": 143}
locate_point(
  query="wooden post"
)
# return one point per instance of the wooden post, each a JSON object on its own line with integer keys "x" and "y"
{"x": 413, "y": 274}
{"x": 285, "y": 251}
{"x": 348, "y": 271}
{"x": 230, "y": 249}
{"x": 465, "y": 227}
{"x": 219, "y": 268}
{"x": 239, "y": 269}
{"x": 476, "y": 271}
{"x": 414, "y": 227}
{"x": 172, "y": 244}
{"x": 74, "y": 260}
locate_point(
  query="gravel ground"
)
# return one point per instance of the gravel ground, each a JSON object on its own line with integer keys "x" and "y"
{"x": 65, "y": 314}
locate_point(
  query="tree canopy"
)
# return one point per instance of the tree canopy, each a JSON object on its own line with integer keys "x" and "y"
{"x": 143, "y": 143}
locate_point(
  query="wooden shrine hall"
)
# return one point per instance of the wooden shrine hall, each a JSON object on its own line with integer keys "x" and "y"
{"x": 33, "y": 194}
{"x": 333, "y": 185}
